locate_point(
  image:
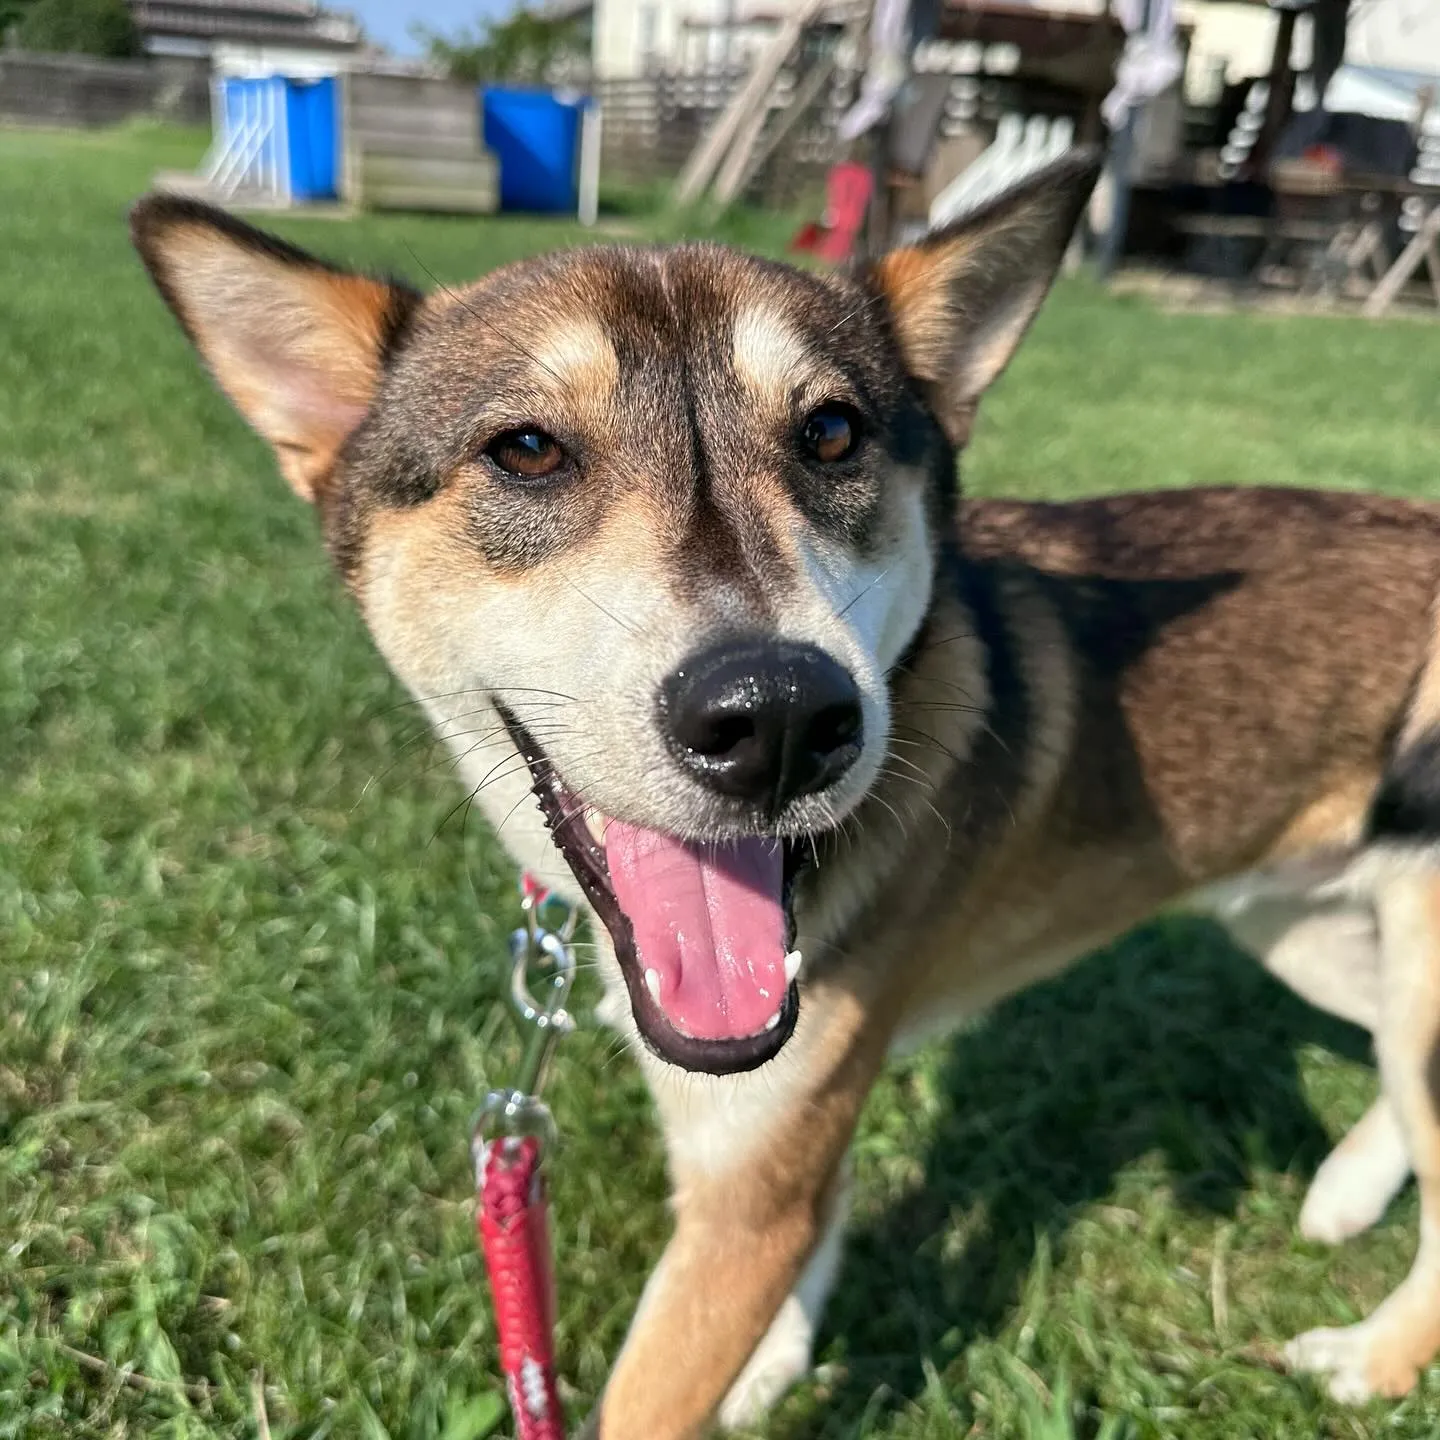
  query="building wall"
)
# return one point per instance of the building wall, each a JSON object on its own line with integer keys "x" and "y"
{"x": 1228, "y": 43}
{"x": 1230, "y": 40}
{"x": 231, "y": 58}
{"x": 1395, "y": 34}
{"x": 633, "y": 36}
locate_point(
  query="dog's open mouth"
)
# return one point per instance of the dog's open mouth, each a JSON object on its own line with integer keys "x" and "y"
{"x": 703, "y": 932}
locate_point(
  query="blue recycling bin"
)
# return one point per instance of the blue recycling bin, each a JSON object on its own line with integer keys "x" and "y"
{"x": 535, "y": 138}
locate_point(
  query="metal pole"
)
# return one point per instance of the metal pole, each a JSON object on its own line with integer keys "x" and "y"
{"x": 591, "y": 119}
{"x": 1122, "y": 153}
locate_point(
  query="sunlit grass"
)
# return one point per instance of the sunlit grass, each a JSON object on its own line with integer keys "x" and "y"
{"x": 249, "y": 976}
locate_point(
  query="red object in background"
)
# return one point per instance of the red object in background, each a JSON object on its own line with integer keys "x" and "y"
{"x": 1325, "y": 157}
{"x": 847, "y": 198}
{"x": 531, "y": 889}
{"x": 515, "y": 1235}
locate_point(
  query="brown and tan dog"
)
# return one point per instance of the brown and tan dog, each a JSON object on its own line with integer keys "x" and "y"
{"x": 678, "y": 526}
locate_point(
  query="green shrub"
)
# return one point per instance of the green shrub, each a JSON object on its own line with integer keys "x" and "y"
{"x": 86, "y": 27}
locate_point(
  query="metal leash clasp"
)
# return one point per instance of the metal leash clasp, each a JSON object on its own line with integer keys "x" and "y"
{"x": 543, "y": 945}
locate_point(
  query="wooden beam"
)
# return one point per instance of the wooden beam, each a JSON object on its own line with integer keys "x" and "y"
{"x": 751, "y": 96}
{"x": 745, "y": 161}
{"x": 1421, "y": 249}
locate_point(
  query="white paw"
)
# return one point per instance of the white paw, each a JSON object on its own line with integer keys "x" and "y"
{"x": 1358, "y": 1180}
{"x": 781, "y": 1358}
{"x": 1340, "y": 1357}
{"x": 1343, "y": 1200}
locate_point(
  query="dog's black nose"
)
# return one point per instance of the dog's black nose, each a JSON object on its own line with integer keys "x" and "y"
{"x": 763, "y": 720}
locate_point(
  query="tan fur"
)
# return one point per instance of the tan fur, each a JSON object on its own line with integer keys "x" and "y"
{"x": 576, "y": 361}
{"x": 1073, "y": 716}
{"x": 962, "y": 302}
{"x": 916, "y": 282}
{"x": 768, "y": 355}
{"x": 1335, "y": 822}
{"x": 755, "y": 1222}
{"x": 1424, "y": 710}
{"x": 303, "y": 365}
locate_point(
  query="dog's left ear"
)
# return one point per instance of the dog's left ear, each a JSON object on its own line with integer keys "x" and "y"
{"x": 961, "y": 300}
{"x": 297, "y": 344}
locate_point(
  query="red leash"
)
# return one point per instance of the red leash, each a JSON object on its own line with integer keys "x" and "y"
{"x": 509, "y": 1140}
{"x": 514, "y": 1232}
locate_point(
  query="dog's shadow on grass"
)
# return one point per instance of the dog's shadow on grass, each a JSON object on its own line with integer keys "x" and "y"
{"x": 1173, "y": 1044}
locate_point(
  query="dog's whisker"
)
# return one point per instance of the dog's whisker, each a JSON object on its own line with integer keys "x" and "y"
{"x": 504, "y": 334}
{"x": 482, "y": 692}
{"x": 610, "y": 614}
{"x": 579, "y": 760}
{"x": 841, "y": 614}
{"x": 941, "y": 707}
{"x": 905, "y": 760}
{"x": 945, "y": 684}
{"x": 496, "y": 736}
{"x": 948, "y": 640}
{"x": 444, "y": 732}
{"x": 928, "y": 741}
{"x": 499, "y": 689}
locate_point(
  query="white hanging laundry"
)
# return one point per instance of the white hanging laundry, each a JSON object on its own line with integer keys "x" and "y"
{"x": 1151, "y": 61}
{"x": 885, "y": 72}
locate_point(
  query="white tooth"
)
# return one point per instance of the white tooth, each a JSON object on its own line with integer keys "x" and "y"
{"x": 652, "y": 984}
{"x": 773, "y": 1021}
{"x": 792, "y": 965}
{"x": 595, "y": 823}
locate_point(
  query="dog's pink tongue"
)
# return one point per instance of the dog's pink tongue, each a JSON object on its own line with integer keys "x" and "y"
{"x": 709, "y": 921}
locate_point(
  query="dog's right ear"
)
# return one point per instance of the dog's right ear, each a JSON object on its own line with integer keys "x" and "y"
{"x": 296, "y": 344}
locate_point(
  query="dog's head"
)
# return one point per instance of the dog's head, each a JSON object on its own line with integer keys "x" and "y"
{"x": 675, "y": 513}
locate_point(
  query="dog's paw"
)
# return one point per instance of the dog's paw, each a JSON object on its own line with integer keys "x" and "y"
{"x": 1357, "y": 1182}
{"x": 781, "y": 1358}
{"x": 1346, "y": 1199}
{"x": 1355, "y": 1363}
{"x": 1338, "y": 1357}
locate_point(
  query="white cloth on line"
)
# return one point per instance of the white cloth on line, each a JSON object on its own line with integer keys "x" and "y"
{"x": 1151, "y": 61}
{"x": 886, "y": 71}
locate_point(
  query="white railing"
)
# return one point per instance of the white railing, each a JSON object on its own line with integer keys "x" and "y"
{"x": 250, "y": 152}
{"x": 1021, "y": 145}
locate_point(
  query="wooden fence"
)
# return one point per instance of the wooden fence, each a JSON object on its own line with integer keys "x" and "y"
{"x": 653, "y": 122}
{"x": 413, "y": 143}
{"x": 77, "y": 90}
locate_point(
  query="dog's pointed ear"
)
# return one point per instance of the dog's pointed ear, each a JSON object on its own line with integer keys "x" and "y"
{"x": 296, "y": 344}
{"x": 961, "y": 299}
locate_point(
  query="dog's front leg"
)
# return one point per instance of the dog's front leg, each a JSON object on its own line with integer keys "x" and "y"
{"x": 756, "y": 1160}
{"x": 1384, "y": 1353}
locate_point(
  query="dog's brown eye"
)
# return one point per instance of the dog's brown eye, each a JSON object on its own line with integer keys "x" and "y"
{"x": 831, "y": 433}
{"x": 529, "y": 454}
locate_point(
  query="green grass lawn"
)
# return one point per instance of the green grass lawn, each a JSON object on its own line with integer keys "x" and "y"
{"x": 250, "y": 972}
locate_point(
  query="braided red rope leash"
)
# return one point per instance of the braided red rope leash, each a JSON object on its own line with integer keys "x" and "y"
{"x": 514, "y": 1232}
{"x": 512, "y": 1217}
